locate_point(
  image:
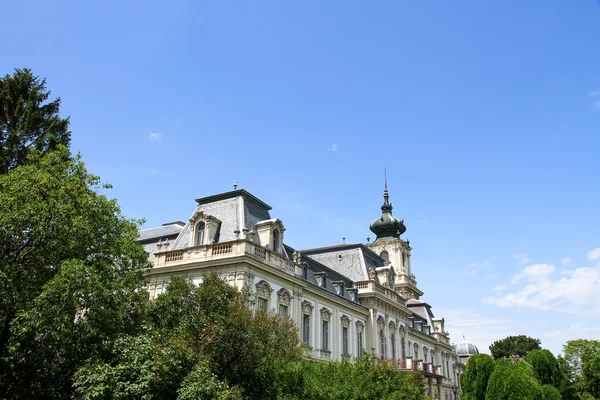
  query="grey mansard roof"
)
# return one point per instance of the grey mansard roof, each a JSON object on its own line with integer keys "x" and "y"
{"x": 350, "y": 260}
{"x": 165, "y": 230}
{"x": 235, "y": 209}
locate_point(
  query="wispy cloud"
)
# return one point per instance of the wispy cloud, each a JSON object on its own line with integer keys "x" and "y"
{"x": 521, "y": 258}
{"x": 594, "y": 94}
{"x": 542, "y": 287}
{"x": 566, "y": 260}
{"x": 155, "y": 137}
{"x": 594, "y": 254}
{"x": 474, "y": 267}
{"x": 332, "y": 148}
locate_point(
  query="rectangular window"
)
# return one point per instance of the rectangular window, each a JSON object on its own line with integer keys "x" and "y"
{"x": 325, "y": 345}
{"x": 306, "y": 329}
{"x": 360, "y": 344}
{"x": 345, "y": 341}
{"x": 393, "y": 347}
{"x": 384, "y": 347}
{"x": 262, "y": 304}
{"x": 283, "y": 312}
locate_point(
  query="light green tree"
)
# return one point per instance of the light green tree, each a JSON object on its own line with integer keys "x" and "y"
{"x": 475, "y": 379}
{"x": 513, "y": 380}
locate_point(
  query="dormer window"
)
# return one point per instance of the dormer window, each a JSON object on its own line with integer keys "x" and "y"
{"x": 200, "y": 234}
{"x": 276, "y": 240}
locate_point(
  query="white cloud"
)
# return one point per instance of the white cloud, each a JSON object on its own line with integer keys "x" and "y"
{"x": 594, "y": 254}
{"x": 566, "y": 260}
{"x": 501, "y": 287}
{"x": 534, "y": 273}
{"x": 155, "y": 137}
{"x": 332, "y": 148}
{"x": 574, "y": 292}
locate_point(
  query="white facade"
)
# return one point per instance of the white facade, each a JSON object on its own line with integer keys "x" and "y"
{"x": 345, "y": 299}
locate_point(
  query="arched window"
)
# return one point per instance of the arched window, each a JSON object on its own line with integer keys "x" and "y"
{"x": 200, "y": 234}
{"x": 416, "y": 351}
{"x": 404, "y": 261}
{"x": 275, "y": 240}
{"x": 386, "y": 257}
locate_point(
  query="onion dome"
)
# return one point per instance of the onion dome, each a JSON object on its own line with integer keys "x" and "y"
{"x": 465, "y": 348}
{"x": 387, "y": 225}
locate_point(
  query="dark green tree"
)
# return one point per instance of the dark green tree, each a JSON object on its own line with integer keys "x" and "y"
{"x": 551, "y": 393}
{"x": 512, "y": 346}
{"x": 591, "y": 373}
{"x": 224, "y": 344}
{"x": 70, "y": 274}
{"x": 546, "y": 367}
{"x": 513, "y": 380}
{"x": 580, "y": 359}
{"x": 28, "y": 121}
{"x": 362, "y": 379}
{"x": 475, "y": 379}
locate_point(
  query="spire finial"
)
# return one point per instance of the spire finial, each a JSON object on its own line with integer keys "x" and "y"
{"x": 235, "y": 185}
{"x": 386, "y": 197}
{"x": 385, "y": 178}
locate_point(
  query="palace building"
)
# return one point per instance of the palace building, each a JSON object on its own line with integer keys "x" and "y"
{"x": 346, "y": 299}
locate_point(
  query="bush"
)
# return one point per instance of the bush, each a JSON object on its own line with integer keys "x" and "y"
{"x": 475, "y": 379}
{"x": 513, "y": 380}
{"x": 551, "y": 393}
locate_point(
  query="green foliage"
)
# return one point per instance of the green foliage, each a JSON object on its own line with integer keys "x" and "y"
{"x": 514, "y": 346}
{"x": 363, "y": 379}
{"x": 475, "y": 379}
{"x": 581, "y": 366}
{"x": 27, "y": 121}
{"x": 513, "y": 380}
{"x": 551, "y": 393}
{"x": 546, "y": 367}
{"x": 70, "y": 273}
{"x": 227, "y": 346}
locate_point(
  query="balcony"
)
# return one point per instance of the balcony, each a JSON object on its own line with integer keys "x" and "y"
{"x": 408, "y": 364}
{"x": 221, "y": 251}
{"x": 372, "y": 287}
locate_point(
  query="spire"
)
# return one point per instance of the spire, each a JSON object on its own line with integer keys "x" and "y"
{"x": 386, "y": 207}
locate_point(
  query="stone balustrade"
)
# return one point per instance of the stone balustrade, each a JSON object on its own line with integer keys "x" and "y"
{"x": 218, "y": 251}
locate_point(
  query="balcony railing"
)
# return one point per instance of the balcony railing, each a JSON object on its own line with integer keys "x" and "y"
{"x": 217, "y": 251}
{"x": 372, "y": 286}
{"x": 408, "y": 364}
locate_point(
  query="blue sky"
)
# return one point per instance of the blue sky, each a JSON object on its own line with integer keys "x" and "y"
{"x": 485, "y": 114}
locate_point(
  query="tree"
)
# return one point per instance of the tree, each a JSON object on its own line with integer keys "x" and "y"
{"x": 550, "y": 393}
{"x": 70, "y": 274}
{"x": 581, "y": 363}
{"x": 27, "y": 120}
{"x": 221, "y": 342}
{"x": 514, "y": 346}
{"x": 475, "y": 379}
{"x": 363, "y": 379}
{"x": 545, "y": 366}
{"x": 513, "y": 380}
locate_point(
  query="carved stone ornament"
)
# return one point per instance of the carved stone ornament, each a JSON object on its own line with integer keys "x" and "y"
{"x": 263, "y": 289}
{"x": 307, "y": 307}
{"x": 345, "y": 321}
{"x": 325, "y": 314}
{"x": 380, "y": 322}
{"x": 372, "y": 273}
{"x": 402, "y": 331}
{"x": 392, "y": 325}
{"x": 284, "y": 297}
{"x": 360, "y": 326}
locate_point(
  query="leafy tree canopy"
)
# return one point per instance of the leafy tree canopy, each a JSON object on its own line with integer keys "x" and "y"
{"x": 546, "y": 367}
{"x": 70, "y": 273}
{"x": 27, "y": 120}
{"x": 475, "y": 379}
{"x": 363, "y": 379}
{"x": 551, "y": 393}
{"x": 514, "y": 346}
{"x": 513, "y": 380}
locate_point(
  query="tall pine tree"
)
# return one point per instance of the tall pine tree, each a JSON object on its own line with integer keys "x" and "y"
{"x": 28, "y": 120}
